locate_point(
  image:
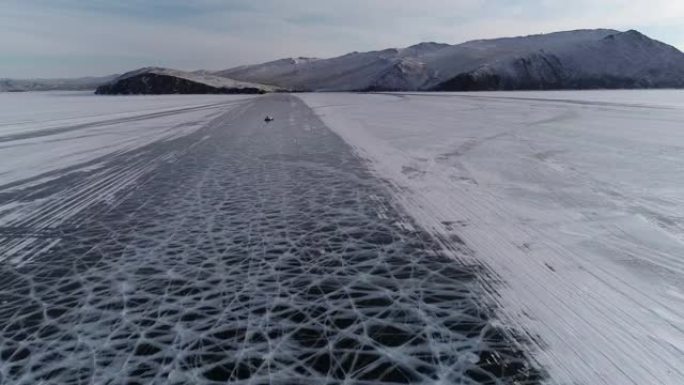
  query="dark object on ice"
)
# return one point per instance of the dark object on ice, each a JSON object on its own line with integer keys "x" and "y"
{"x": 268, "y": 119}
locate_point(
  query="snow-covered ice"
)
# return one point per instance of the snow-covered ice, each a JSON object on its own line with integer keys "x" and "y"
{"x": 50, "y": 135}
{"x": 48, "y": 131}
{"x": 573, "y": 200}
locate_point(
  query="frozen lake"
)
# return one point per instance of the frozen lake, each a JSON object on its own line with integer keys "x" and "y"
{"x": 176, "y": 240}
{"x": 437, "y": 238}
{"x": 574, "y": 200}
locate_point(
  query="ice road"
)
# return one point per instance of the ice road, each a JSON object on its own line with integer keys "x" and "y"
{"x": 180, "y": 240}
{"x": 574, "y": 201}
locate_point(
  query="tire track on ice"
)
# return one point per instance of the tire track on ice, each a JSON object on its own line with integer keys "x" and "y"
{"x": 103, "y": 186}
{"x": 128, "y": 119}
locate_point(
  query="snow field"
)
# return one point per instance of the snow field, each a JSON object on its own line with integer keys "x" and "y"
{"x": 573, "y": 200}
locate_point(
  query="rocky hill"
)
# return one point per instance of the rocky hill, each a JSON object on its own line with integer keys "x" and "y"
{"x": 155, "y": 80}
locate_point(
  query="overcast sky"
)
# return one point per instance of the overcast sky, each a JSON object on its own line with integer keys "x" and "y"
{"x": 67, "y": 38}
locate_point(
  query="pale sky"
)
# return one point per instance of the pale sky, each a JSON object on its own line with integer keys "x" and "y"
{"x": 70, "y": 38}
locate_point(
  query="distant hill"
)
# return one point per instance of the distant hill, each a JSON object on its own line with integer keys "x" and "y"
{"x": 389, "y": 69}
{"x": 580, "y": 59}
{"x": 618, "y": 60}
{"x": 600, "y": 58}
{"x": 155, "y": 80}
{"x": 78, "y": 84}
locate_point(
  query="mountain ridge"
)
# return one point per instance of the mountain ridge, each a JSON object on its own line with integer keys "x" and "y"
{"x": 576, "y": 59}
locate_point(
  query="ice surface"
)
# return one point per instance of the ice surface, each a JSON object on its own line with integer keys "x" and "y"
{"x": 51, "y": 135}
{"x": 573, "y": 199}
{"x": 240, "y": 252}
{"x": 48, "y": 131}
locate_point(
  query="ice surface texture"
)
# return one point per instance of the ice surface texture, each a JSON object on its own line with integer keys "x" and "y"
{"x": 574, "y": 199}
{"x": 257, "y": 254}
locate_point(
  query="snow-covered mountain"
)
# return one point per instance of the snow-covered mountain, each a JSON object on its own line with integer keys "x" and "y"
{"x": 395, "y": 69}
{"x": 597, "y": 58}
{"x": 616, "y": 60}
{"x": 269, "y": 72}
{"x": 156, "y": 80}
{"x": 600, "y": 58}
{"x": 86, "y": 83}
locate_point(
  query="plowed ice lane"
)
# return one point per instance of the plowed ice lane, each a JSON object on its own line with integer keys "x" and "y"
{"x": 241, "y": 251}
